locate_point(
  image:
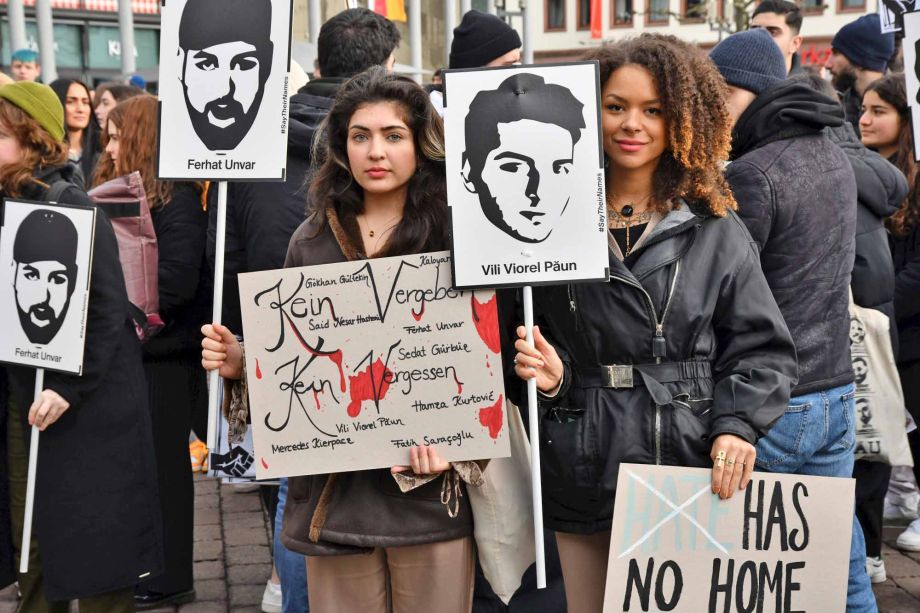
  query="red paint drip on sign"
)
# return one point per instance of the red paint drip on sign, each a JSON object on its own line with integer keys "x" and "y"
{"x": 485, "y": 318}
{"x": 493, "y": 417}
{"x": 363, "y": 386}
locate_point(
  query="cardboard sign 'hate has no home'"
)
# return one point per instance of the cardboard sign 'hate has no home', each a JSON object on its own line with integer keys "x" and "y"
{"x": 349, "y": 365}
{"x": 782, "y": 544}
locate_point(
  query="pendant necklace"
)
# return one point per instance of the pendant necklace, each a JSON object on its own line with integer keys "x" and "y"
{"x": 624, "y": 218}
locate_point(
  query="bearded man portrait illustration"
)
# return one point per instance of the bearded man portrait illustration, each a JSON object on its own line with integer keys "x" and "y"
{"x": 225, "y": 54}
{"x": 45, "y": 271}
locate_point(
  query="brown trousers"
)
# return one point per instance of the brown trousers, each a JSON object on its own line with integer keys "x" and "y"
{"x": 584, "y": 569}
{"x": 434, "y": 577}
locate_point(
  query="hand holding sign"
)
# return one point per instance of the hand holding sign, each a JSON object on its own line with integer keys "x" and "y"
{"x": 423, "y": 460}
{"x": 46, "y": 409}
{"x": 220, "y": 350}
{"x": 539, "y": 360}
{"x": 733, "y": 463}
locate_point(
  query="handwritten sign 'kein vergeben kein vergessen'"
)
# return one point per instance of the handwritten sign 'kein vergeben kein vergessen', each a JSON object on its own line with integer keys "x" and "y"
{"x": 782, "y": 544}
{"x": 351, "y": 364}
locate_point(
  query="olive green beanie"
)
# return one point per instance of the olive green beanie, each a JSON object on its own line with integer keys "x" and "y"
{"x": 39, "y": 102}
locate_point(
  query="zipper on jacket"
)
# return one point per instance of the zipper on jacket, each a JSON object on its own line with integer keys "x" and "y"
{"x": 659, "y": 347}
{"x": 573, "y": 305}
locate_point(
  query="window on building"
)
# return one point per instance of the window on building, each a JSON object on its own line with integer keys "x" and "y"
{"x": 658, "y": 11}
{"x": 845, "y": 6}
{"x": 583, "y": 18}
{"x": 555, "y": 15}
{"x": 621, "y": 13}
{"x": 693, "y": 10}
{"x": 812, "y": 6}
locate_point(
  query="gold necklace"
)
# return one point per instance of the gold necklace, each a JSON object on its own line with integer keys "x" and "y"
{"x": 625, "y": 218}
{"x": 370, "y": 231}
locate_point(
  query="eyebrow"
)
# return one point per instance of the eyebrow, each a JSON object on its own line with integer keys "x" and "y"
{"x": 203, "y": 55}
{"x": 615, "y": 97}
{"x": 516, "y": 156}
{"x": 383, "y": 129}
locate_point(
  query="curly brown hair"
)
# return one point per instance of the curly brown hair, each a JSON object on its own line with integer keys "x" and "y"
{"x": 893, "y": 90}
{"x": 693, "y": 99}
{"x": 39, "y": 150}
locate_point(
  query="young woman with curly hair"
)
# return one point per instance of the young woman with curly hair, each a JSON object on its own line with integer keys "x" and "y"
{"x": 379, "y": 191}
{"x": 683, "y": 357}
{"x": 176, "y": 385}
{"x": 886, "y": 127}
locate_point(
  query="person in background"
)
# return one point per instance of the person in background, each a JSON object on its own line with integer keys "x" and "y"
{"x": 481, "y": 40}
{"x": 779, "y": 126}
{"x": 97, "y": 529}
{"x": 106, "y": 97}
{"x": 860, "y": 53}
{"x": 262, "y": 216}
{"x": 24, "y": 65}
{"x": 81, "y": 135}
{"x": 880, "y": 190}
{"x": 783, "y": 21}
{"x": 138, "y": 81}
{"x": 887, "y": 129}
{"x": 176, "y": 386}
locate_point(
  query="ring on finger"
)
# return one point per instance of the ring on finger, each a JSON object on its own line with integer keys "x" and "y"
{"x": 730, "y": 461}
{"x": 720, "y": 458}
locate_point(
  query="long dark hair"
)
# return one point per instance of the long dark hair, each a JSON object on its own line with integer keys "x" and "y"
{"x": 693, "y": 97}
{"x": 90, "y": 132}
{"x": 892, "y": 90}
{"x": 424, "y": 224}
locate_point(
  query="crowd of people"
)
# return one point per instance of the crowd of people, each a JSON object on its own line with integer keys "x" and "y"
{"x": 751, "y": 201}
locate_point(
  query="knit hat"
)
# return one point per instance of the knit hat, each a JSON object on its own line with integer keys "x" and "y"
{"x": 40, "y": 103}
{"x": 750, "y": 60}
{"x": 863, "y": 43}
{"x": 479, "y": 39}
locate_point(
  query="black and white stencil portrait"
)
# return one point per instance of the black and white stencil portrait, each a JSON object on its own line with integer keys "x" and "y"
{"x": 910, "y": 44}
{"x": 45, "y": 255}
{"x": 891, "y": 13}
{"x": 525, "y": 175}
{"x": 223, "y": 89}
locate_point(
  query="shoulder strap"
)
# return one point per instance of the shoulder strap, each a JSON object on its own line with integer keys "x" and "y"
{"x": 57, "y": 190}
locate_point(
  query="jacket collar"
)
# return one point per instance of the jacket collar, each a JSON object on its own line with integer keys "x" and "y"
{"x": 346, "y": 233}
{"x": 657, "y": 250}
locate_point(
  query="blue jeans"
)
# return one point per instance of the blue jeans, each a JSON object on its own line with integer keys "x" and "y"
{"x": 816, "y": 437}
{"x": 291, "y": 566}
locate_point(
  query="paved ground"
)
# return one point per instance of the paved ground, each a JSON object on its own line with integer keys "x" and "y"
{"x": 233, "y": 560}
{"x": 232, "y": 556}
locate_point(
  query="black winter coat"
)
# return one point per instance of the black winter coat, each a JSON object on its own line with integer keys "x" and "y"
{"x": 96, "y": 504}
{"x": 262, "y": 216}
{"x": 906, "y": 255}
{"x": 797, "y": 195}
{"x": 692, "y": 296}
{"x": 880, "y": 190}
{"x": 182, "y": 275}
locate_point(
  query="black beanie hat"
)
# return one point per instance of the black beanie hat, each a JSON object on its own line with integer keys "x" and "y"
{"x": 46, "y": 235}
{"x": 479, "y": 39}
{"x": 206, "y": 23}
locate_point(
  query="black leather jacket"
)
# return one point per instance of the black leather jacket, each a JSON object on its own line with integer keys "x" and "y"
{"x": 691, "y": 311}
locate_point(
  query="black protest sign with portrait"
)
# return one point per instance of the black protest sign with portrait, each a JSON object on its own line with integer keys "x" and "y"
{"x": 223, "y": 89}
{"x": 45, "y": 259}
{"x": 525, "y": 175}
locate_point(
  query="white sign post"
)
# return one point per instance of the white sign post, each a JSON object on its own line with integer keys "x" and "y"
{"x": 46, "y": 253}
{"x": 525, "y": 182}
{"x": 351, "y": 364}
{"x": 223, "y": 106}
{"x": 783, "y": 543}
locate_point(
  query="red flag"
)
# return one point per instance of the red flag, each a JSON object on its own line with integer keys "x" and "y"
{"x": 596, "y": 20}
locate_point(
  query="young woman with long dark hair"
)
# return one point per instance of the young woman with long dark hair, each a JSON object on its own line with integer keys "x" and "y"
{"x": 176, "y": 386}
{"x": 886, "y": 127}
{"x": 379, "y": 191}
{"x": 80, "y": 122}
{"x": 687, "y": 316}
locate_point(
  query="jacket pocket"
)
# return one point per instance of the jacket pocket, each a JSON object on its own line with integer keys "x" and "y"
{"x": 562, "y": 435}
{"x": 693, "y": 417}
